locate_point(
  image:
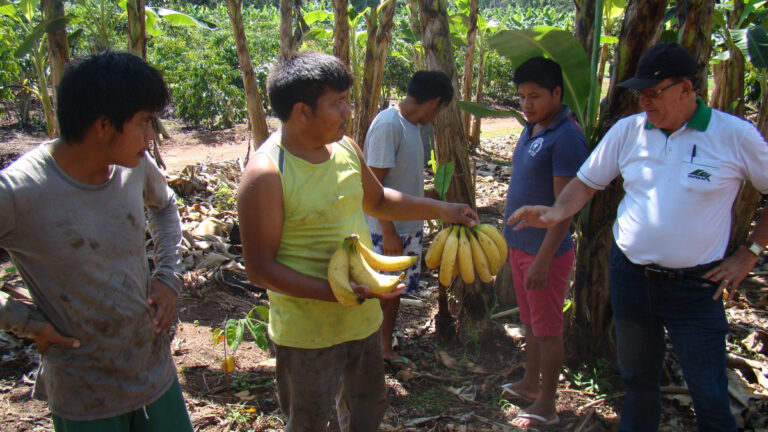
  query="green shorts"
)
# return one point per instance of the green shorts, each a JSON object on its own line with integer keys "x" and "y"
{"x": 167, "y": 414}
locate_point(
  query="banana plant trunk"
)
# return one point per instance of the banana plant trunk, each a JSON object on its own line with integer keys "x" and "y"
{"x": 695, "y": 21}
{"x": 363, "y": 114}
{"x": 450, "y": 146}
{"x": 45, "y": 97}
{"x": 383, "y": 39}
{"x": 589, "y": 335}
{"x": 288, "y": 46}
{"x": 58, "y": 47}
{"x": 137, "y": 33}
{"x": 256, "y": 117}
{"x": 414, "y": 21}
{"x": 469, "y": 64}
{"x": 377, "y": 45}
{"x": 728, "y": 96}
{"x": 477, "y": 122}
{"x": 341, "y": 30}
{"x": 585, "y": 23}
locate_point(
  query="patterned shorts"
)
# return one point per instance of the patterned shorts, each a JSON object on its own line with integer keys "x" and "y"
{"x": 411, "y": 246}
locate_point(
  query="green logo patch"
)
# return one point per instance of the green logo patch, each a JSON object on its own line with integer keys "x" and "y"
{"x": 699, "y": 174}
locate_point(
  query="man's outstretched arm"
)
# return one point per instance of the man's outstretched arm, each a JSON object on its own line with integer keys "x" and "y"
{"x": 569, "y": 202}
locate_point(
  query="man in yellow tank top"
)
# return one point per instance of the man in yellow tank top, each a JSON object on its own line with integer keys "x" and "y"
{"x": 301, "y": 194}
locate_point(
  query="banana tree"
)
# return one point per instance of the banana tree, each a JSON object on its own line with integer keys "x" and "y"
{"x": 256, "y": 117}
{"x": 33, "y": 31}
{"x": 465, "y": 23}
{"x": 752, "y": 43}
{"x": 733, "y": 20}
{"x": 58, "y": 47}
{"x": 379, "y": 21}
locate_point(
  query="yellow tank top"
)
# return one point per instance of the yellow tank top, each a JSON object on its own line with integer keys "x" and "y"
{"x": 323, "y": 203}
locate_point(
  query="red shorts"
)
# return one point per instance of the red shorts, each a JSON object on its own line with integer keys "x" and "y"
{"x": 541, "y": 310}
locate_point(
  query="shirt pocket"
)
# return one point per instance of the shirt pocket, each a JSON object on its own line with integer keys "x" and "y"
{"x": 701, "y": 175}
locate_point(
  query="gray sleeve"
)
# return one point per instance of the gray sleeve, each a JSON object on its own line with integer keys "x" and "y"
{"x": 15, "y": 316}
{"x": 165, "y": 227}
{"x": 19, "y": 318}
{"x": 380, "y": 145}
{"x": 7, "y": 215}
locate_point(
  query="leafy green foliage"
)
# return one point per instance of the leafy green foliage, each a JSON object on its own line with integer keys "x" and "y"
{"x": 255, "y": 321}
{"x": 559, "y": 45}
{"x": 205, "y": 83}
{"x": 597, "y": 379}
{"x": 443, "y": 177}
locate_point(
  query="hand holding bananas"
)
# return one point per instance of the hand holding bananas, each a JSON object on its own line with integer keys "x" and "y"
{"x": 480, "y": 250}
{"x": 353, "y": 273}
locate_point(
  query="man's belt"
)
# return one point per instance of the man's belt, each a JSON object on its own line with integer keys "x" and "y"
{"x": 657, "y": 272}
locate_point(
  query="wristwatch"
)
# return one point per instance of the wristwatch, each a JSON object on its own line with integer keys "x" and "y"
{"x": 755, "y": 248}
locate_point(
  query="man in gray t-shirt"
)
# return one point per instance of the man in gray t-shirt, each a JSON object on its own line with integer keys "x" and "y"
{"x": 395, "y": 152}
{"x": 73, "y": 221}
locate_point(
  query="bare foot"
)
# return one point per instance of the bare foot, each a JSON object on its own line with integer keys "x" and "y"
{"x": 521, "y": 390}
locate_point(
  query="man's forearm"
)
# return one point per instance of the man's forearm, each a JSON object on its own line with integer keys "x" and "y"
{"x": 18, "y": 318}
{"x": 165, "y": 227}
{"x": 396, "y": 205}
{"x": 572, "y": 198}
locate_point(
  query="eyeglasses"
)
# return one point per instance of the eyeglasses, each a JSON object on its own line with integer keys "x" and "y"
{"x": 654, "y": 93}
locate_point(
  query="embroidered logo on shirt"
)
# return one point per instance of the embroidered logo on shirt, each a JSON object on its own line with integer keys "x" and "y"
{"x": 699, "y": 174}
{"x": 535, "y": 146}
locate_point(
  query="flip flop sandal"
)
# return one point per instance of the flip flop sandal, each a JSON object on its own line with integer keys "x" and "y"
{"x": 401, "y": 363}
{"x": 543, "y": 421}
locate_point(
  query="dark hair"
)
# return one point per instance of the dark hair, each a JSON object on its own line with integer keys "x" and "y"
{"x": 115, "y": 85}
{"x": 304, "y": 78}
{"x": 539, "y": 70}
{"x": 427, "y": 85}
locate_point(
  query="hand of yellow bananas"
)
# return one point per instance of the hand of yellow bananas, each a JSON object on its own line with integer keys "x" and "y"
{"x": 354, "y": 262}
{"x": 481, "y": 250}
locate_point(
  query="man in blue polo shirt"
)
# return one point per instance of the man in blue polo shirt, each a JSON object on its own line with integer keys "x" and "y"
{"x": 547, "y": 157}
{"x": 683, "y": 164}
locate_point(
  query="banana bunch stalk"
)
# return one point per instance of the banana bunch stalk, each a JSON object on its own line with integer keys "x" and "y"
{"x": 459, "y": 250}
{"x": 355, "y": 262}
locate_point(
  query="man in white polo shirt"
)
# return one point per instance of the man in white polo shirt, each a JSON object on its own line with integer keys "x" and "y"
{"x": 683, "y": 164}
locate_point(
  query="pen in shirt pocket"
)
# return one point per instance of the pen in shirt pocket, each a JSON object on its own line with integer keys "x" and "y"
{"x": 693, "y": 153}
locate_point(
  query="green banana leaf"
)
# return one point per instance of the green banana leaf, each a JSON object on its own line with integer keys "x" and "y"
{"x": 482, "y": 111}
{"x": 36, "y": 34}
{"x": 443, "y": 179}
{"x": 361, "y": 5}
{"x": 753, "y": 43}
{"x": 558, "y": 45}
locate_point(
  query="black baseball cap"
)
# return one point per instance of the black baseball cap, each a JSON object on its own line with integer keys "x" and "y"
{"x": 659, "y": 62}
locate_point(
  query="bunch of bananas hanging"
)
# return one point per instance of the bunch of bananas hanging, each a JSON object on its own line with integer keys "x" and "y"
{"x": 460, "y": 250}
{"x": 355, "y": 262}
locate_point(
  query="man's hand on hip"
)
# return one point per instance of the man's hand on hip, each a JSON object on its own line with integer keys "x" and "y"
{"x": 50, "y": 336}
{"x": 163, "y": 299}
{"x": 731, "y": 272}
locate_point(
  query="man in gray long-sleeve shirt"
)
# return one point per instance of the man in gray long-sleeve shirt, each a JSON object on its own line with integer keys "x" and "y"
{"x": 73, "y": 221}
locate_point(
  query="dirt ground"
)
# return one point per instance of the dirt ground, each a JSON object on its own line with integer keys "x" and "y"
{"x": 455, "y": 387}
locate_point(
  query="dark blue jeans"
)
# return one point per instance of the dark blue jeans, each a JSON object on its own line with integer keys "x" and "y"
{"x": 697, "y": 327}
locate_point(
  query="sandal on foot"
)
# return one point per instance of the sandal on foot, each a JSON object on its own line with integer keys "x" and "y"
{"x": 542, "y": 421}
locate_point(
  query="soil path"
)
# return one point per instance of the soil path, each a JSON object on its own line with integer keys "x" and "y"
{"x": 190, "y": 146}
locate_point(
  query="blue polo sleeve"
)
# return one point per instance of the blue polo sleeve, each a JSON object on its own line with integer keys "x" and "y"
{"x": 569, "y": 151}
